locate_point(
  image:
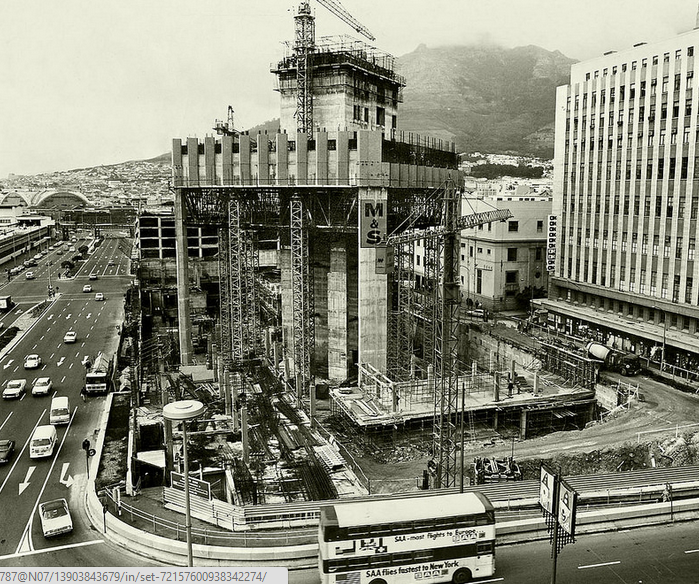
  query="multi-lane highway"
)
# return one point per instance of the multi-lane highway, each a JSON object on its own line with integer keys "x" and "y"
{"x": 25, "y": 482}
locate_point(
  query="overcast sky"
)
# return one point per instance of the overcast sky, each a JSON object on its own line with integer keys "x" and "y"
{"x": 85, "y": 82}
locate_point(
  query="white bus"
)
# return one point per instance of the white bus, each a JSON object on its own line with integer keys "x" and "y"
{"x": 439, "y": 538}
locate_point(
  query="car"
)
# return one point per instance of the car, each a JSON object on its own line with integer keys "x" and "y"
{"x": 42, "y": 386}
{"x": 59, "y": 252}
{"x": 30, "y": 263}
{"x": 93, "y": 276}
{"x": 7, "y": 448}
{"x": 37, "y": 257}
{"x": 32, "y": 361}
{"x": 55, "y": 517}
{"x": 14, "y": 389}
{"x": 30, "y": 276}
{"x": 111, "y": 262}
{"x": 87, "y": 288}
{"x": 99, "y": 296}
{"x": 477, "y": 313}
{"x": 51, "y": 247}
{"x": 70, "y": 337}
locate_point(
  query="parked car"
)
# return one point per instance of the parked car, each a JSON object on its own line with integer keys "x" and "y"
{"x": 14, "y": 389}
{"x": 7, "y": 448}
{"x": 29, "y": 275}
{"x": 99, "y": 296}
{"x": 110, "y": 263}
{"x": 87, "y": 288}
{"x": 55, "y": 517}
{"x": 32, "y": 361}
{"x": 37, "y": 257}
{"x": 42, "y": 386}
{"x": 70, "y": 337}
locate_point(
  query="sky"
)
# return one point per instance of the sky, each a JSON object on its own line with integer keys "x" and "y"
{"x": 91, "y": 82}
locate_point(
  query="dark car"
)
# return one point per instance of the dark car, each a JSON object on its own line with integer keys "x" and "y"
{"x": 7, "y": 448}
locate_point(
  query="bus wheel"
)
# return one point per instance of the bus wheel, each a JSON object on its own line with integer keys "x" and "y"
{"x": 461, "y": 576}
{"x": 378, "y": 581}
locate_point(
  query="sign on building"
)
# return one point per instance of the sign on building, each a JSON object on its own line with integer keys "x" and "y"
{"x": 196, "y": 487}
{"x": 384, "y": 259}
{"x": 372, "y": 222}
{"x": 551, "y": 243}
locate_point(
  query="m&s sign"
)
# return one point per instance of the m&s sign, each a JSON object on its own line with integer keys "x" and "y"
{"x": 372, "y": 223}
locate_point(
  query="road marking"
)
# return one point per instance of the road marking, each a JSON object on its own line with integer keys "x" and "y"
{"x": 52, "y": 354}
{"x": 6, "y": 420}
{"x": 8, "y": 364}
{"x": 64, "y": 378}
{"x": 23, "y": 486}
{"x": 599, "y": 565}
{"x": 686, "y": 552}
{"x": 52, "y": 549}
{"x": 25, "y": 544}
{"x": 69, "y": 480}
{"x": 60, "y": 362}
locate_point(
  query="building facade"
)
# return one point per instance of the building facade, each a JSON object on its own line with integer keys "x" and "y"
{"x": 501, "y": 262}
{"x": 626, "y": 198}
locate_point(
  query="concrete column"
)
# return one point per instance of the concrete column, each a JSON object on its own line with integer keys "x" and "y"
{"x": 496, "y": 386}
{"x": 495, "y": 420}
{"x": 523, "y": 425}
{"x": 185, "y": 328}
{"x": 373, "y": 287}
{"x": 338, "y": 339}
{"x": 287, "y": 301}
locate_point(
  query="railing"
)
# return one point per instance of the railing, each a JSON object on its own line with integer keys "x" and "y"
{"x": 176, "y": 530}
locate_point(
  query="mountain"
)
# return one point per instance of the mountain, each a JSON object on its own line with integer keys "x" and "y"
{"x": 483, "y": 97}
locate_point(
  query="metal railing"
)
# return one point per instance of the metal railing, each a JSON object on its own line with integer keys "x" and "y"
{"x": 157, "y": 525}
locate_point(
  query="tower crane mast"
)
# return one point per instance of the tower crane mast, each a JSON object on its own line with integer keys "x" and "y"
{"x": 304, "y": 46}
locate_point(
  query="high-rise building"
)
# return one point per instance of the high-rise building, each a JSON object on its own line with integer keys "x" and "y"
{"x": 626, "y": 201}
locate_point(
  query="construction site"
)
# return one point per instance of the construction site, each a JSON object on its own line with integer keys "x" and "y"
{"x": 359, "y": 327}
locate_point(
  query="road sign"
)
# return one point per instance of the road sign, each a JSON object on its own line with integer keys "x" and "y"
{"x": 196, "y": 487}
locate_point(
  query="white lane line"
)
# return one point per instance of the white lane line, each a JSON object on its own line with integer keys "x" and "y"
{"x": 691, "y": 551}
{"x": 9, "y": 416}
{"x": 599, "y": 565}
{"x": 53, "y": 549}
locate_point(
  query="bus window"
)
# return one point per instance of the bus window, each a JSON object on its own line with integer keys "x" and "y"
{"x": 403, "y": 556}
{"x": 423, "y": 556}
{"x": 485, "y": 548}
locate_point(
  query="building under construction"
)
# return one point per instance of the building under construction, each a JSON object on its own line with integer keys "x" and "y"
{"x": 347, "y": 197}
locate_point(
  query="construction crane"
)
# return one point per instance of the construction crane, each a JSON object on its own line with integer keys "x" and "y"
{"x": 440, "y": 308}
{"x": 304, "y": 45}
{"x": 226, "y": 128}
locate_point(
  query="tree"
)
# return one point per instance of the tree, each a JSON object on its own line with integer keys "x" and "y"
{"x": 67, "y": 264}
{"x": 83, "y": 250}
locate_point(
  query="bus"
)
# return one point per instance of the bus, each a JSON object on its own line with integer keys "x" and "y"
{"x": 438, "y": 538}
{"x": 98, "y": 375}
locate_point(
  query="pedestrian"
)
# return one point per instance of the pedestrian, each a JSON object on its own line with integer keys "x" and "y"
{"x": 83, "y": 394}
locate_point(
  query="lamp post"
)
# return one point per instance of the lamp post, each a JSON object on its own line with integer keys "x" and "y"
{"x": 184, "y": 411}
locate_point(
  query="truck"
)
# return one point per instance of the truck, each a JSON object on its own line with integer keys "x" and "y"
{"x": 6, "y": 303}
{"x": 613, "y": 359}
{"x": 98, "y": 375}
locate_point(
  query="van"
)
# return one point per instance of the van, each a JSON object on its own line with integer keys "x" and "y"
{"x": 60, "y": 410}
{"x": 43, "y": 442}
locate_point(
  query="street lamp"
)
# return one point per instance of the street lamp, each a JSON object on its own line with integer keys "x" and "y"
{"x": 184, "y": 411}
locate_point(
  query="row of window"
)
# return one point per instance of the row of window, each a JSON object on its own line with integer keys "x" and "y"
{"x": 632, "y": 284}
{"x": 643, "y": 89}
{"x": 634, "y": 64}
{"x": 641, "y": 164}
{"x": 631, "y": 310}
{"x": 629, "y": 140}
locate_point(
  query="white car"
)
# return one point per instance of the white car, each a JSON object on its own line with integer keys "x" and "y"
{"x": 14, "y": 389}
{"x": 55, "y": 518}
{"x": 32, "y": 362}
{"x": 29, "y": 275}
{"x": 70, "y": 337}
{"x": 38, "y": 256}
{"x": 87, "y": 288}
{"x": 99, "y": 296}
{"x": 42, "y": 386}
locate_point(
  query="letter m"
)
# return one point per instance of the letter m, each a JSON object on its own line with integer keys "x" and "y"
{"x": 371, "y": 210}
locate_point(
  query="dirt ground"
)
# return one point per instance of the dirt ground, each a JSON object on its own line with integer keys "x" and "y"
{"x": 663, "y": 429}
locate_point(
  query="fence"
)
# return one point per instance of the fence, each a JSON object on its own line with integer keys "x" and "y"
{"x": 176, "y": 530}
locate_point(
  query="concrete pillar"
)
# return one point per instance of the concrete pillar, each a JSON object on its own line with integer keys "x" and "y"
{"x": 185, "y": 325}
{"x": 536, "y": 383}
{"x": 495, "y": 420}
{"x": 523, "y": 425}
{"x": 496, "y": 386}
{"x": 312, "y": 389}
{"x": 275, "y": 358}
{"x": 287, "y": 301}
{"x": 244, "y": 433}
{"x": 226, "y": 388}
{"x": 338, "y": 319}
{"x": 373, "y": 287}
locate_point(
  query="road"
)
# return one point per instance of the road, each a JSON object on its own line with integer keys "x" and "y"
{"x": 25, "y": 482}
{"x": 667, "y": 554}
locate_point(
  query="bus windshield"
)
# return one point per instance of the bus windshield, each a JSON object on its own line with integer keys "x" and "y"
{"x": 393, "y": 538}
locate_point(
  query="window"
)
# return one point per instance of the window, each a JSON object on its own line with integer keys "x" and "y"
{"x": 511, "y": 254}
{"x": 513, "y": 226}
{"x": 539, "y": 226}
